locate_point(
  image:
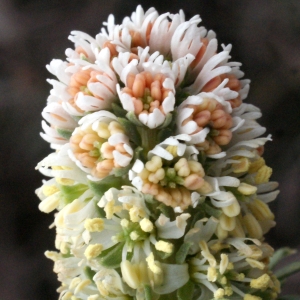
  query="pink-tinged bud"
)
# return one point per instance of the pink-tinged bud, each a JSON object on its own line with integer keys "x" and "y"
{"x": 219, "y": 119}
{"x": 224, "y": 137}
{"x": 193, "y": 182}
{"x": 138, "y": 87}
{"x": 202, "y": 118}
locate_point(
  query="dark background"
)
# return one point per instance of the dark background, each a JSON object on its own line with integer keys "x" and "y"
{"x": 266, "y": 38}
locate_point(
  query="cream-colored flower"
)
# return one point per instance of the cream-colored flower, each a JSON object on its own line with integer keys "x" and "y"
{"x": 171, "y": 174}
{"x": 100, "y": 144}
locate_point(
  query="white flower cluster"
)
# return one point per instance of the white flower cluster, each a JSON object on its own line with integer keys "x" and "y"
{"x": 157, "y": 176}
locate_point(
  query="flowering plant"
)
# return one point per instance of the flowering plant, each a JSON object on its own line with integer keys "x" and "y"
{"x": 157, "y": 175}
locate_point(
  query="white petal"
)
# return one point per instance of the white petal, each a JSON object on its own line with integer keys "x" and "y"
{"x": 175, "y": 276}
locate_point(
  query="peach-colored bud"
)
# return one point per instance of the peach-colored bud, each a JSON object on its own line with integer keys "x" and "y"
{"x": 138, "y": 86}
{"x": 206, "y": 188}
{"x": 196, "y": 167}
{"x": 193, "y": 182}
{"x": 224, "y": 137}
{"x": 111, "y": 47}
{"x": 159, "y": 77}
{"x": 120, "y": 148}
{"x": 218, "y": 118}
{"x": 233, "y": 83}
{"x": 86, "y": 160}
{"x": 127, "y": 90}
{"x": 107, "y": 150}
{"x": 185, "y": 198}
{"x": 212, "y": 84}
{"x": 176, "y": 195}
{"x": 105, "y": 165}
{"x": 87, "y": 142}
{"x": 138, "y": 105}
{"x": 150, "y": 188}
{"x": 165, "y": 94}
{"x": 202, "y": 118}
{"x": 80, "y": 78}
{"x": 164, "y": 197}
{"x": 76, "y": 138}
{"x": 156, "y": 90}
{"x": 154, "y": 104}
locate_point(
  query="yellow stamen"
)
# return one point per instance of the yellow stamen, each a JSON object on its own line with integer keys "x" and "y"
{"x": 49, "y": 190}
{"x": 263, "y": 175}
{"x": 94, "y": 225}
{"x": 247, "y": 189}
{"x": 256, "y": 165}
{"x": 251, "y": 297}
{"x": 261, "y": 210}
{"x": 242, "y": 166}
{"x": 93, "y": 251}
{"x": 261, "y": 282}
{"x": 164, "y": 246}
{"x": 252, "y": 226}
{"x": 146, "y": 225}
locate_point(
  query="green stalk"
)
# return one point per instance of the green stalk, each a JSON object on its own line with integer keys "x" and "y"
{"x": 149, "y": 138}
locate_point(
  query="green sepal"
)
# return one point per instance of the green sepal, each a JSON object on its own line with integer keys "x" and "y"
{"x": 166, "y": 122}
{"x": 72, "y": 192}
{"x": 239, "y": 196}
{"x": 76, "y": 118}
{"x": 112, "y": 257}
{"x": 171, "y": 296}
{"x": 66, "y": 134}
{"x": 101, "y": 212}
{"x": 89, "y": 273}
{"x": 197, "y": 213}
{"x": 119, "y": 172}
{"x": 162, "y": 255}
{"x": 168, "y": 211}
{"x": 186, "y": 291}
{"x": 279, "y": 255}
{"x": 133, "y": 119}
{"x": 164, "y": 134}
{"x": 287, "y": 271}
{"x": 211, "y": 211}
{"x": 102, "y": 186}
{"x": 181, "y": 95}
{"x": 182, "y": 253}
{"x": 118, "y": 110}
{"x": 148, "y": 292}
{"x": 131, "y": 131}
{"x": 149, "y": 199}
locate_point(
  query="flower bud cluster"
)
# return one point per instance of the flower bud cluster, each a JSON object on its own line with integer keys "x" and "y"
{"x": 157, "y": 177}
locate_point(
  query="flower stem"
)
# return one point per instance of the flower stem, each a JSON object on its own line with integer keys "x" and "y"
{"x": 149, "y": 138}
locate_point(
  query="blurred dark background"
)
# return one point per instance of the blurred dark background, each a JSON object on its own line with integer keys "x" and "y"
{"x": 266, "y": 38}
